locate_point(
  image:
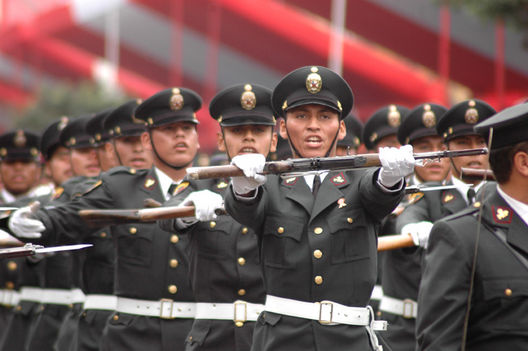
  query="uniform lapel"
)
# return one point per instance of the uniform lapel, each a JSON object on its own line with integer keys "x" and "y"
{"x": 453, "y": 201}
{"x": 518, "y": 234}
{"x": 151, "y": 186}
{"x": 298, "y": 191}
{"x": 329, "y": 192}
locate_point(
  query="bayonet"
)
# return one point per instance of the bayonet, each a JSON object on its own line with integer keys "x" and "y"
{"x": 31, "y": 250}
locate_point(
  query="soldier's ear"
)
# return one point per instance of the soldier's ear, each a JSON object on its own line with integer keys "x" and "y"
{"x": 520, "y": 163}
{"x": 220, "y": 142}
{"x": 282, "y": 129}
{"x": 274, "y": 140}
{"x": 145, "y": 141}
{"x": 342, "y": 130}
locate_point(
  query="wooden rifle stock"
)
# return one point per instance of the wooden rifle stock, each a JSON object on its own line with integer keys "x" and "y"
{"x": 470, "y": 174}
{"x": 392, "y": 242}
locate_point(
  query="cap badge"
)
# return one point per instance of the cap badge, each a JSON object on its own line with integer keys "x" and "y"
{"x": 314, "y": 83}
{"x": 356, "y": 141}
{"x": 284, "y": 105}
{"x": 20, "y": 139}
{"x": 3, "y": 152}
{"x": 248, "y": 100}
{"x": 176, "y": 100}
{"x": 63, "y": 122}
{"x": 428, "y": 117}
{"x": 72, "y": 141}
{"x": 33, "y": 151}
{"x": 339, "y": 105}
{"x": 373, "y": 137}
{"x": 341, "y": 202}
{"x": 394, "y": 117}
{"x": 471, "y": 116}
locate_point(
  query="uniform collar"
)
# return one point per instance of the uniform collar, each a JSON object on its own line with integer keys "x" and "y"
{"x": 519, "y": 207}
{"x": 164, "y": 182}
{"x": 309, "y": 178}
{"x": 463, "y": 187}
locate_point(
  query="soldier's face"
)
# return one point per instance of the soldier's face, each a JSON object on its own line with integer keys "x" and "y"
{"x": 132, "y": 153}
{"x": 58, "y": 167}
{"x": 19, "y": 176}
{"x": 468, "y": 142}
{"x": 239, "y": 140}
{"x": 176, "y": 143}
{"x": 387, "y": 141}
{"x": 84, "y": 162}
{"x": 106, "y": 156}
{"x": 435, "y": 171}
{"x": 312, "y": 129}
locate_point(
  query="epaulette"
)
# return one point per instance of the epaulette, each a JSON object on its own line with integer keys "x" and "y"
{"x": 414, "y": 198}
{"x": 465, "y": 212}
{"x": 125, "y": 170}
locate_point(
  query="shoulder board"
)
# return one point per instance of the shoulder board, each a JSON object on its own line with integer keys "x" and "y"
{"x": 414, "y": 198}
{"x": 125, "y": 170}
{"x": 464, "y": 212}
{"x": 94, "y": 186}
{"x": 57, "y": 193}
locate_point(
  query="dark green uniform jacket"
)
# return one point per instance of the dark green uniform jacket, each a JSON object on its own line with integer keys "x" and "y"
{"x": 340, "y": 222}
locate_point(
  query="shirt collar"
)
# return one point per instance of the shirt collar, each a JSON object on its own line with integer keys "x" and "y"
{"x": 165, "y": 181}
{"x": 463, "y": 187}
{"x": 309, "y": 178}
{"x": 519, "y": 207}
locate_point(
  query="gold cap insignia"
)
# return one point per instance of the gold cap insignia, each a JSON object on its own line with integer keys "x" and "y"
{"x": 248, "y": 100}
{"x": 314, "y": 83}
{"x": 91, "y": 141}
{"x": 20, "y": 139}
{"x": 471, "y": 116}
{"x": 176, "y": 100}
{"x": 450, "y": 130}
{"x": 394, "y": 116}
{"x": 118, "y": 130}
{"x": 373, "y": 137}
{"x": 63, "y": 122}
{"x": 448, "y": 197}
{"x": 356, "y": 141}
{"x": 150, "y": 121}
{"x": 33, "y": 151}
{"x": 339, "y": 105}
{"x": 139, "y": 101}
{"x": 428, "y": 117}
{"x": 3, "y": 152}
{"x": 98, "y": 137}
{"x": 284, "y": 105}
{"x": 149, "y": 183}
{"x": 222, "y": 185}
{"x": 72, "y": 141}
{"x": 220, "y": 119}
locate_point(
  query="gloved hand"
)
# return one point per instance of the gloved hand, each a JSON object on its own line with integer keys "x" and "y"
{"x": 419, "y": 232}
{"x": 396, "y": 164}
{"x": 23, "y": 226}
{"x": 251, "y": 165}
{"x": 205, "y": 203}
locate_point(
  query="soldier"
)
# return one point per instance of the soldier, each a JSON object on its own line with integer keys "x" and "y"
{"x": 473, "y": 291}
{"x": 57, "y": 167}
{"x": 403, "y": 281}
{"x": 100, "y": 140}
{"x": 224, "y": 255}
{"x": 155, "y": 305}
{"x": 349, "y": 145}
{"x": 19, "y": 171}
{"x": 401, "y": 268}
{"x": 20, "y": 164}
{"x": 317, "y": 237}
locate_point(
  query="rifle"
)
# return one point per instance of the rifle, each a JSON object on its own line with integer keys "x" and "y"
{"x": 396, "y": 241}
{"x": 31, "y": 250}
{"x": 299, "y": 166}
{"x": 472, "y": 174}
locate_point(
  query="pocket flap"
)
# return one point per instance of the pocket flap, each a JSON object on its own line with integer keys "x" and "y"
{"x": 504, "y": 288}
{"x": 346, "y": 221}
{"x": 291, "y": 227}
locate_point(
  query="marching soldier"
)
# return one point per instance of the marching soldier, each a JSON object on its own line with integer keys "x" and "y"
{"x": 58, "y": 169}
{"x": 155, "y": 305}
{"x": 224, "y": 255}
{"x": 349, "y": 145}
{"x": 100, "y": 140}
{"x": 473, "y": 293}
{"x": 316, "y": 232}
{"x": 401, "y": 268}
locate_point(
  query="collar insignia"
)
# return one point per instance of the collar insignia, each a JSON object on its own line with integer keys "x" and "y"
{"x": 149, "y": 183}
{"x": 338, "y": 179}
{"x": 222, "y": 185}
{"x": 181, "y": 187}
{"x": 448, "y": 198}
{"x": 290, "y": 181}
{"x": 502, "y": 215}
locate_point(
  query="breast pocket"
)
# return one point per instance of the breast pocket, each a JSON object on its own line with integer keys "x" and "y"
{"x": 134, "y": 244}
{"x": 281, "y": 237}
{"x": 351, "y": 237}
{"x": 213, "y": 239}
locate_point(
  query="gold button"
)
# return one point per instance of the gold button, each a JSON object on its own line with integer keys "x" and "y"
{"x": 212, "y": 224}
{"x": 280, "y": 230}
{"x": 190, "y": 337}
{"x": 10, "y": 285}
{"x": 132, "y": 171}
{"x": 242, "y": 292}
{"x": 239, "y": 324}
{"x": 103, "y": 234}
{"x": 378, "y": 313}
{"x": 244, "y": 230}
{"x": 241, "y": 261}
{"x": 318, "y": 280}
{"x": 173, "y": 263}
{"x": 18, "y": 308}
{"x": 318, "y": 254}
{"x": 133, "y": 230}
{"x": 116, "y": 317}
{"x": 11, "y": 265}
{"x": 508, "y": 292}
{"x": 350, "y": 220}
{"x": 476, "y": 204}
{"x": 173, "y": 289}
{"x": 318, "y": 230}
{"x": 174, "y": 239}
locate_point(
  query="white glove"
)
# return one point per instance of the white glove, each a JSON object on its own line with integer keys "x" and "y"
{"x": 205, "y": 203}
{"x": 419, "y": 232}
{"x": 396, "y": 164}
{"x": 23, "y": 226}
{"x": 251, "y": 165}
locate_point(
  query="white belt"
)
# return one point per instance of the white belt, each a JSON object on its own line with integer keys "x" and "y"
{"x": 9, "y": 297}
{"x": 62, "y": 296}
{"x": 29, "y": 293}
{"x": 377, "y": 293}
{"x": 406, "y": 308}
{"x": 100, "y": 302}
{"x": 238, "y": 311}
{"x": 164, "y": 308}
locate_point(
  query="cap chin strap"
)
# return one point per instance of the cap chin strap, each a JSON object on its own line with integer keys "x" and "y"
{"x": 117, "y": 153}
{"x": 162, "y": 160}
{"x": 295, "y": 152}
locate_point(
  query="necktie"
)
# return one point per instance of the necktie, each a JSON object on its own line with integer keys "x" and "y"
{"x": 471, "y": 195}
{"x": 316, "y": 185}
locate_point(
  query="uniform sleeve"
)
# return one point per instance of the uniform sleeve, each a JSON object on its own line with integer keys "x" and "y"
{"x": 250, "y": 213}
{"x": 63, "y": 223}
{"x": 444, "y": 287}
{"x": 413, "y": 213}
{"x": 378, "y": 202}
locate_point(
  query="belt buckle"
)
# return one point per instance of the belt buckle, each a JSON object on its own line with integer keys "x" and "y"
{"x": 330, "y": 312}
{"x": 408, "y": 308}
{"x": 235, "y": 311}
{"x": 162, "y": 303}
